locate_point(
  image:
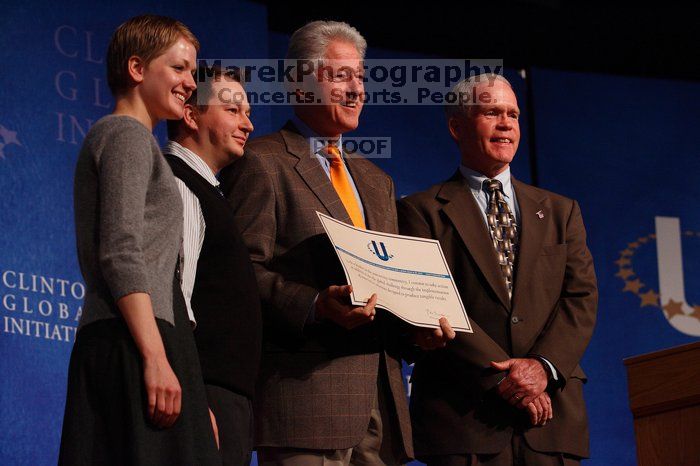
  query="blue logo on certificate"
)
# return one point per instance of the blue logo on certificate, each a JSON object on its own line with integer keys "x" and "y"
{"x": 374, "y": 249}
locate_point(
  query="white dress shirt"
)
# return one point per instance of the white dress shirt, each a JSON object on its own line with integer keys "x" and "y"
{"x": 194, "y": 226}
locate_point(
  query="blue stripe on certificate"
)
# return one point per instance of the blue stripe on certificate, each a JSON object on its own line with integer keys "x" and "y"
{"x": 393, "y": 269}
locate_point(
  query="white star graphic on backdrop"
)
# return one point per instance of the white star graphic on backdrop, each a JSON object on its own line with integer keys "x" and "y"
{"x": 8, "y": 137}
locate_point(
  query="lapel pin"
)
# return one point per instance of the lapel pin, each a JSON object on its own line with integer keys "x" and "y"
{"x": 540, "y": 214}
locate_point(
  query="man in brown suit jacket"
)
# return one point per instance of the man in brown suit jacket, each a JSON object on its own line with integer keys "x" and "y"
{"x": 330, "y": 388}
{"x": 511, "y": 393}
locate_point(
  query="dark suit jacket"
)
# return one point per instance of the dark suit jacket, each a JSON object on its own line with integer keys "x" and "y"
{"x": 552, "y": 314}
{"x": 317, "y": 381}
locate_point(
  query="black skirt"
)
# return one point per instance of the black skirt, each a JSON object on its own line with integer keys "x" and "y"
{"x": 105, "y": 421}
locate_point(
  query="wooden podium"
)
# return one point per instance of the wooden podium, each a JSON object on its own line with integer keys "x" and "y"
{"x": 664, "y": 392}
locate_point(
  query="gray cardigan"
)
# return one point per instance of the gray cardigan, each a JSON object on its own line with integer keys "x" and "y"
{"x": 128, "y": 219}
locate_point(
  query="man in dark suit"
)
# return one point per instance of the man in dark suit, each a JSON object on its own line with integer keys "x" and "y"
{"x": 330, "y": 389}
{"x": 511, "y": 393}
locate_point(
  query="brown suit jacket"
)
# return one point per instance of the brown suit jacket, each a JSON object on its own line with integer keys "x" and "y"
{"x": 318, "y": 381}
{"x": 552, "y": 314}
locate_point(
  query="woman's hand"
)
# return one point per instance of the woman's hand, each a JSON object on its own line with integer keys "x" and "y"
{"x": 164, "y": 394}
{"x": 163, "y": 391}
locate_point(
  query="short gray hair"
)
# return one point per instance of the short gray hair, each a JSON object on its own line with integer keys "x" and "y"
{"x": 466, "y": 88}
{"x": 310, "y": 41}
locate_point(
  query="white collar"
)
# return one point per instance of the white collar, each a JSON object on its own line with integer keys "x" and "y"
{"x": 194, "y": 161}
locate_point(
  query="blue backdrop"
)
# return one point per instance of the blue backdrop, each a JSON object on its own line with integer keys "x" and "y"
{"x": 622, "y": 146}
{"x": 52, "y": 87}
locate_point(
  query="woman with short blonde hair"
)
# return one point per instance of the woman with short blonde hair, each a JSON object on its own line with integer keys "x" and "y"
{"x": 135, "y": 390}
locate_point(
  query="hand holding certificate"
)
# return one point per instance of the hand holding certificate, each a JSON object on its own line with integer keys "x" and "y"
{"x": 409, "y": 276}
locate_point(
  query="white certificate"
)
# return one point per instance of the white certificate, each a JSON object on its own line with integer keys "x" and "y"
{"x": 409, "y": 275}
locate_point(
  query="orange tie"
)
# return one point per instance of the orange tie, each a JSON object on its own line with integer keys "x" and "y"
{"x": 341, "y": 183}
